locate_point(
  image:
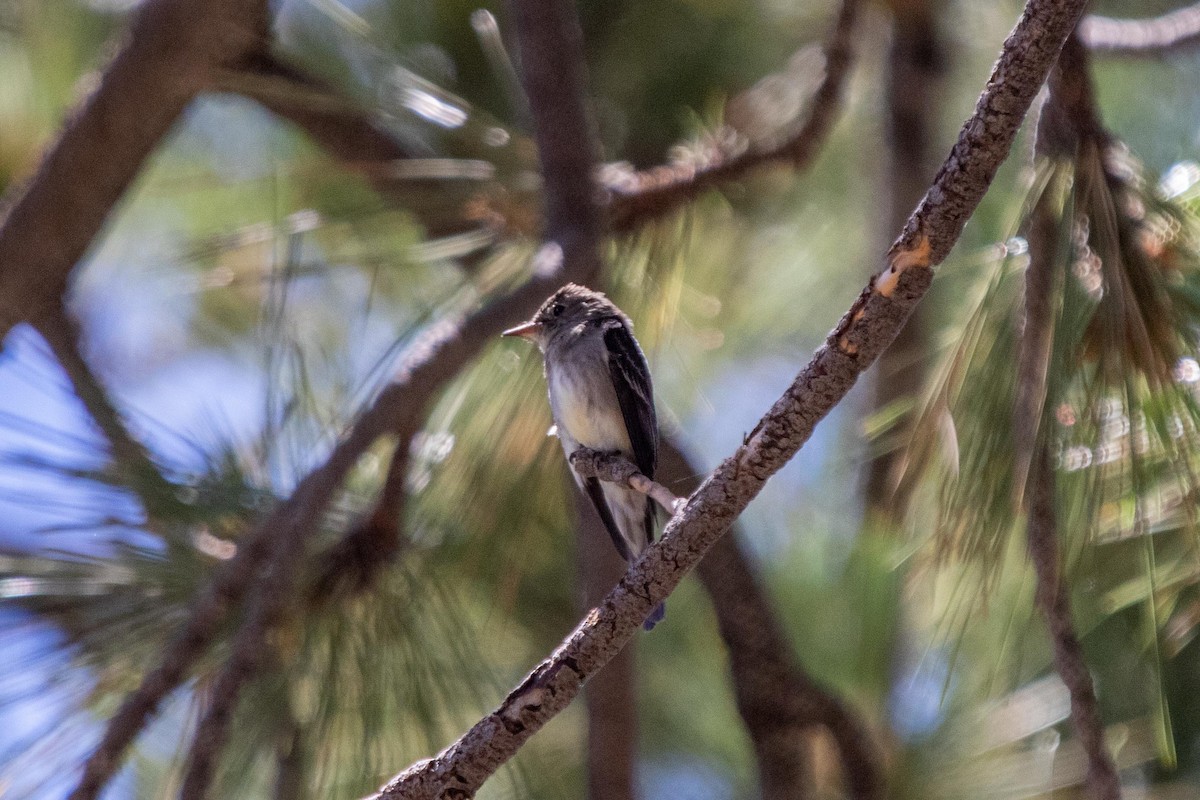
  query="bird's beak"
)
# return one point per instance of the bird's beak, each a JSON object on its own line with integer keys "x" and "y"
{"x": 528, "y": 330}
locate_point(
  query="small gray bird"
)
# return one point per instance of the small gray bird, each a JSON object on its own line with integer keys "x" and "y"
{"x": 601, "y": 399}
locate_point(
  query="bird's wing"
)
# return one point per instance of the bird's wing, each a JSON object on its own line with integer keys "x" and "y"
{"x": 596, "y": 493}
{"x": 631, "y": 380}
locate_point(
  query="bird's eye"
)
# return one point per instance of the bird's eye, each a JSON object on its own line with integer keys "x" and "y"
{"x": 556, "y": 309}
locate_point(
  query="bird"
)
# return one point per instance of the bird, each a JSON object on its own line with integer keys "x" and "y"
{"x": 601, "y": 398}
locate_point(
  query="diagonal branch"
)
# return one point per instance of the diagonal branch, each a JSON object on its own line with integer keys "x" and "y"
{"x": 61, "y": 332}
{"x": 428, "y": 365}
{"x": 553, "y": 76}
{"x": 872, "y": 321}
{"x": 1150, "y": 38}
{"x": 52, "y": 219}
{"x": 349, "y": 133}
{"x": 777, "y": 699}
{"x": 656, "y": 192}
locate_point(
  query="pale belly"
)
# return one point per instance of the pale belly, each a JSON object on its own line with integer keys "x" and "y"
{"x": 587, "y": 412}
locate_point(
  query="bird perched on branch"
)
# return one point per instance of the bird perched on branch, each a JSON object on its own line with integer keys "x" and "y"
{"x": 601, "y": 399}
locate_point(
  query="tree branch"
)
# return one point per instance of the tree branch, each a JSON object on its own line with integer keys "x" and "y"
{"x": 270, "y": 596}
{"x": 1146, "y": 38}
{"x": 778, "y": 701}
{"x": 554, "y": 76}
{"x": 400, "y": 407}
{"x": 173, "y": 49}
{"x": 1102, "y": 781}
{"x": 915, "y": 64}
{"x": 61, "y": 332}
{"x": 350, "y": 133}
{"x": 611, "y": 695}
{"x": 656, "y": 192}
{"x": 872, "y": 321}
{"x": 1068, "y": 123}
{"x": 615, "y": 468}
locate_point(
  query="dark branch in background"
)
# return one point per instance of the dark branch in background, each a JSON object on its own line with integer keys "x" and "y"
{"x": 351, "y": 566}
{"x": 869, "y": 326}
{"x": 1102, "y": 781}
{"x": 350, "y": 132}
{"x": 554, "y": 81}
{"x": 778, "y": 701}
{"x": 174, "y": 47}
{"x": 654, "y": 193}
{"x": 446, "y": 349}
{"x": 554, "y": 76}
{"x": 137, "y": 469}
{"x": 1068, "y": 123}
{"x": 270, "y": 595}
{"x": 610, "y": 696}
{"x": 912, "y": 96}
{"x": 1151, "y": 37}
{"x": 330, "y": 119}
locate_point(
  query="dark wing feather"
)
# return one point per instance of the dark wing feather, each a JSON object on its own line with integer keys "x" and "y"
{"x": 631, "y": 380}
{"x": 596, "y": 493}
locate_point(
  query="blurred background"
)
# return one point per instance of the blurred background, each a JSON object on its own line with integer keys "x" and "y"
{"x": 257, "y": 287}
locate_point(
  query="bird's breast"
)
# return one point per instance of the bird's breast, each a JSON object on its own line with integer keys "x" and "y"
{"x": 585, "y": 406}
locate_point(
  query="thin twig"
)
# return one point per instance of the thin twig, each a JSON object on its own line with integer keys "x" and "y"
{"x": 52, "y": 218}
{"x": 870, "y": 324}
{"x": 777, "y": 699}
{"x": 61, "y": 332}
{"x": 656, "y": 192}
{"x": 615, "y": 468}
{"x": 1147, "y": 38}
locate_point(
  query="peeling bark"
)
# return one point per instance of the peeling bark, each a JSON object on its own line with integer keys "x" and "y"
{"x": 915, "y": 65}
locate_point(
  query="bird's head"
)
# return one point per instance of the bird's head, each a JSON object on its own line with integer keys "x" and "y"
{"x": 566, "y": 310}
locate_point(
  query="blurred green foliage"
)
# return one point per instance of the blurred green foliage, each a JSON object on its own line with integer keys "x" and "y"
{"x": 244, "y": 245}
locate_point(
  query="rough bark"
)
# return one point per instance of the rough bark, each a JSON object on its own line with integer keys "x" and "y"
{"x": 915, "y": 65}
{"x": 869, "y": 326}
{"x": 1153, "y": 37}
{"x": 779, "y": 702}
{"x": 174, "y": 48}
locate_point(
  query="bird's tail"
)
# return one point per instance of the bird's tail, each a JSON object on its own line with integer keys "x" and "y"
{"x": 656, "y": 616}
